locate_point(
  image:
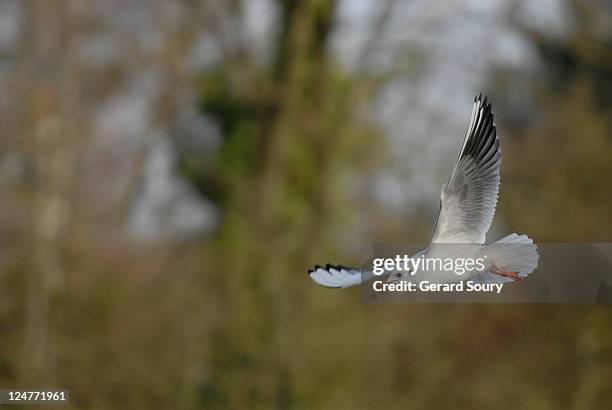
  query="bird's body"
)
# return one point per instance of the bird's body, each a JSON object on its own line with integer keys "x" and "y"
{"x": 467, "y": 207}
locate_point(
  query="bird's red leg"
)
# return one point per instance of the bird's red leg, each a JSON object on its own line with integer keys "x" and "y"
{"x": 506, "y": 273}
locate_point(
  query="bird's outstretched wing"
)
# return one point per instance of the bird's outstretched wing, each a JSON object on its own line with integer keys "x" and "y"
{"x": 467, "y": 202}
{"x": 340, "y": 276}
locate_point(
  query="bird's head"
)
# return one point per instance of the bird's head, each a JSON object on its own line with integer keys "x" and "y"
{"x": 397, "y": 277}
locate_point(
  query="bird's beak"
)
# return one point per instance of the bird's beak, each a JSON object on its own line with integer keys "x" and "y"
{"x": 393, "y": 278}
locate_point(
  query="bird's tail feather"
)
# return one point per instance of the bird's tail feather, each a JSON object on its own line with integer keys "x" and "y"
{"x": 516, "y": 253}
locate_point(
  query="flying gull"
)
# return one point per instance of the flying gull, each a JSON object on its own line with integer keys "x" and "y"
{"x": 467, "y": 206}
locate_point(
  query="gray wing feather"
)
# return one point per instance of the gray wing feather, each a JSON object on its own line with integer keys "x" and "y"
{"x": 468, "y": 200}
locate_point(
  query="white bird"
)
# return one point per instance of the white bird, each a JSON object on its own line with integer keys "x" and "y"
{"x": 467, "y": 207}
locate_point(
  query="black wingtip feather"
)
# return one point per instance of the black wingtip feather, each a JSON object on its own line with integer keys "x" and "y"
{"x": 477, "y": 134}
{"x": 491, "y": 159}
{"x": 483, "y": 134}
{"x": 316, "y": 267}
{"x": 489, "y": 147}
{"x": 329, "y": 266}
{"x": 486, "y": 137}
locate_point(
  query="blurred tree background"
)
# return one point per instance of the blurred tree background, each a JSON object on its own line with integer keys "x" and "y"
{"x": 170, "y": 169}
